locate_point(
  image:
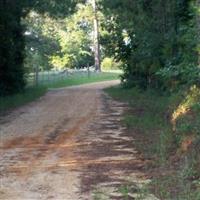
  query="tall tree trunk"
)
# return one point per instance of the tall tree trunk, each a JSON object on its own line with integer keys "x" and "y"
{"x": 96, "y": 39}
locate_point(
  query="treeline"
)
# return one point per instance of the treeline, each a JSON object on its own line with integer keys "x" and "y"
{"x": 155, "y": 41}
{"x": 158, "y": 41}
{"x": 12, "y": 37}
{"x": 59, "y": 43}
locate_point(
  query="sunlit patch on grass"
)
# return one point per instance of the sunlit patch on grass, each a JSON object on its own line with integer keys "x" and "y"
{"x": 191, "y": 99}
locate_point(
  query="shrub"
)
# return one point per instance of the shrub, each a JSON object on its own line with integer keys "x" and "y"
{"x": 110, "y": 64}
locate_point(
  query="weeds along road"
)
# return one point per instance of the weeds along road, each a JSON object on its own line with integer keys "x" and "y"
{"x": 68, "y": 145}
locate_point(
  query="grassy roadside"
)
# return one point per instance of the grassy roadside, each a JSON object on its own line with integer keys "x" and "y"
{"x": 32, "y": 93}
{"x": 167, "y": 131}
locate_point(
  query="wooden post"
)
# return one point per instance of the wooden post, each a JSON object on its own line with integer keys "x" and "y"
{"x": 36, "y": 75}
{"x": 88, "y": 70}
{"x": 48, "y": 76}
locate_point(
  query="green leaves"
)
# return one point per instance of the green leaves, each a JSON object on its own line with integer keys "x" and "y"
{"x": 162, "y": 40}
{"x": 12, "y": 36}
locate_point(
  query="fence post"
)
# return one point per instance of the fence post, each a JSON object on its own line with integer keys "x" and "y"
{"x": 48, "y": 77}
{"x": 36, "y": 76}
{"x": 88, "y": 70}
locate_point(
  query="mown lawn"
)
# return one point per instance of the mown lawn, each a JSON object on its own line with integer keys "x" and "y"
{"x": 78, "y": 80}
{"x": 167, "y": 131}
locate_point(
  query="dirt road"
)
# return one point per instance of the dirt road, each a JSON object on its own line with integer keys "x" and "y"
{"x": 69, "y": 145}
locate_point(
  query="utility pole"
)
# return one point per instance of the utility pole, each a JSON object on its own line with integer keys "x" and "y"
{"x": 96, "y": 38}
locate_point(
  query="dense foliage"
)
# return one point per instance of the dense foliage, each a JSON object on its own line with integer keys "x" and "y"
{"x": 11, "y": 47}
{"x": 157, "y": 40}
{"x": 75, "y": 40}
{"x": 12, "y": 37}
{"x": 53, "y": 43}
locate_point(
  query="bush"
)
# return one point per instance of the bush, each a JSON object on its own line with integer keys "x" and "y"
{"x": 110, "y": 64}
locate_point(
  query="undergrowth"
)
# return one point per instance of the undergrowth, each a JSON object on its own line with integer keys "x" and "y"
{"x": 167, "y": 131}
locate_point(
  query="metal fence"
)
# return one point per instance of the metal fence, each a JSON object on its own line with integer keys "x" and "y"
{"x": 49, "y": 77}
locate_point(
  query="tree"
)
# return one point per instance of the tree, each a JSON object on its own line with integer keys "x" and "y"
{"x": 96, "y": 38}
{"x": 41, "y": 40}
{"x": 155, "y": 39}
{"x": 75, "y": 40}
{"x": 12, "y": 37}
{"x": 11, "y": 47}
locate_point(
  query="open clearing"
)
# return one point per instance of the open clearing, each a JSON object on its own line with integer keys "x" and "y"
{"x": 69, "y": 145}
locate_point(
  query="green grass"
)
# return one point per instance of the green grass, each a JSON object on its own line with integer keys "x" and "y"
{"x": 30, "y": 94}
{"x": 146, "y": 108}
{"x": 150, "y": 120}
{"x": 146, "y": 116}
{"x": 78, "y": 80}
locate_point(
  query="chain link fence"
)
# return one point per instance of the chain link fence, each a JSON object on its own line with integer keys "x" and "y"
{"x": 49, "y": 77}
